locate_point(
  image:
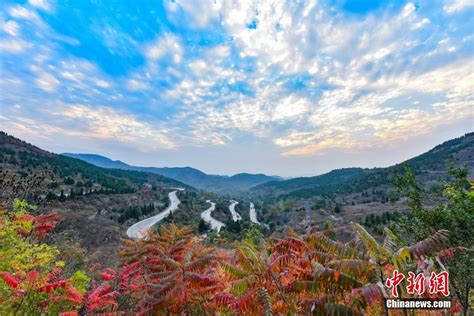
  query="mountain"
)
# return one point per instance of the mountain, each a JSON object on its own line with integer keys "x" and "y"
{"x": 94, "y": 203}
{"x": 28, "y": 168}
{"x": 430, "y": 166}
{"x": 368, "y": 196}
{"x": 188, "y": 175}
{"x": 97, "y": 201}
{"x": 99, "y": 161}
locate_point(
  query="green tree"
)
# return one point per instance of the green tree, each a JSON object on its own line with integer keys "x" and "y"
{"x": 31, "y": 279}
{"x": 203, "y": 226}
{"x": 455, "y": 214}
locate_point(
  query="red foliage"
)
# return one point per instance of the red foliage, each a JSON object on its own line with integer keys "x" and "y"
{"x": 10, "y": 280}
{"x": 244, "y": 302}
{"x": 73, "y": 296}
{"x": 108, "y": 274}
{"x": 32, "y": 276}
{"x": 70, "y": 313}
{"x": 44, "y": 223}
{"x": 54, "y": 285}
{"x": 25, "y": 218}
{"x": 102, "y": 297}
{"x": 224, "y": 299}
{"x": 171, "y": 272}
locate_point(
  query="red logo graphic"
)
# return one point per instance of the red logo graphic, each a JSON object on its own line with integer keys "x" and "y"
{"x": 438, "y": 283}
{"x": 394, "y": 282}
{"x": 416, "y": 285}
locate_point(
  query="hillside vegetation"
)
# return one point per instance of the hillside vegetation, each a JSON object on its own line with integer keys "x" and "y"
{"x": 325, "y": 245}
{"x": 96, "y": 204}
{"x": 431, "y": 165}
{"x": 191, "y": 176}
{"x": 175, "y": 272}
{"x": 355, "y": 194}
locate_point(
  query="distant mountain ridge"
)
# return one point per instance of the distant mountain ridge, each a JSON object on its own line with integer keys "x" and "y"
{"x": 428, "y": 166}
{"x": 188, "y": 175}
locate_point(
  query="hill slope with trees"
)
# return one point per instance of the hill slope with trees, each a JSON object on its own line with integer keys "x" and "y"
{"x": 96, "y": 204}
{"x": 191, "y": 176}
{"x": 429, "y": 166}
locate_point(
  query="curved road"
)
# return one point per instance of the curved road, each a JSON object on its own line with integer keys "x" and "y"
{"x": 253, "y": 214}
{"x": 206, "y": 216}
{"x": 138, "y": 230}
{"x": 235, "y": 216}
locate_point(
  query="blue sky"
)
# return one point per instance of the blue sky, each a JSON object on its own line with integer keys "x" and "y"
{"x": 281, "y": 87}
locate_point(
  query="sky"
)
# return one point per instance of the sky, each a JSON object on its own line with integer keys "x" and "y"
{"x": 285, "y": 88}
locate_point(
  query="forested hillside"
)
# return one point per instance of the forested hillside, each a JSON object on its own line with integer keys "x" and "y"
{"x": 432, "y": 165}
{"x": 367, "y": 196}
{"x": 35, "y": 173}
{"x": 96, "y": 204}
{"x": 191, "y": 176}
{"x": 308, "y": 252}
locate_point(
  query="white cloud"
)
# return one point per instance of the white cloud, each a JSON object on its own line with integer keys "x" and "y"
{"x": 74, "y": 76}
{"x": 136, "y": 85}
{"x": 11, "y": 27}
{"x": 351, "y": 114}
{"x": 453, "y": 6}
{"x": 101, "y": 125}
{"x": 47, "y": 82}
{"x": 20, "y": 12}
{"x": 291, "y": 107}
{"x": 13, "y": 46}
{"x": 82, "y": 75}
{"x": 408, "y": 10}
{"x": 118, "y": 42}
{"x": 102, "y": 83}
{"x": 421, "y": 24}
{"x": 165, "y": 46}
{"x": 220, "y": 52}
{"x": 41, "y": 4}
{"x": 199, "y": 13}
{"x": 108, "y": 123}
{"x": 345, "y": 124}
{"x": 308, "y": 78}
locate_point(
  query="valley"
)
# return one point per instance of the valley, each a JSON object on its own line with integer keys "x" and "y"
{"x": 99, "y": 207}
{"x": 191, "y": 176}
{"x": 125, "y": 202}
{"x": 236, "y": 158}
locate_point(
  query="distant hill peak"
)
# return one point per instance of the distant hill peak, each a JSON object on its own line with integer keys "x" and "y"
{"x": 100, "y": 161}
{"x": 189, "y": 175}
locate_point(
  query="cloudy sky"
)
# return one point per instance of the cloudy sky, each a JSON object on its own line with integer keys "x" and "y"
{"x": 281, "y": 87}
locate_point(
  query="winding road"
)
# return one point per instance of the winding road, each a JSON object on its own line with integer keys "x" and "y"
{"x": 139, "y": 230}
{"x": 253, "y": 214}
{"x": 235, "y": 216}
{"x": 206, "y": 216}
